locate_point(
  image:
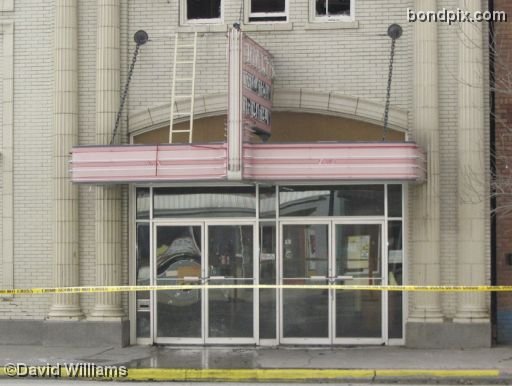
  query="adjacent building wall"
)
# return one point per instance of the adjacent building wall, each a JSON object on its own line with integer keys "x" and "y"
{"x": 503, "y": 119}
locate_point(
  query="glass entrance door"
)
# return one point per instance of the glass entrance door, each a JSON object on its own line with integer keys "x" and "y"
{"x": 178, "y": 259}
{"x": 305, "y": 313}
{"x": 358, "y": 315}
{"x": 231, "y": 313}
{"x": 337, "y": 253}
{"x": 205, "y": 253}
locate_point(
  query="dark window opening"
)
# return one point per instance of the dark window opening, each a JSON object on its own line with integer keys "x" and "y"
{"x": 203, "y": 9}
{"x": 270, "y": 7}
{"x": 333, "y": 7}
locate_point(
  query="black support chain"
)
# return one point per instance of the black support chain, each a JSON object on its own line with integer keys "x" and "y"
{"x": 125, "y": 93}
{"x": 388, "y": 94}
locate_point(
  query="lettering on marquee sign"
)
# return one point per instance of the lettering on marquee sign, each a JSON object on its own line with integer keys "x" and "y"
{"x": 256, "y": 87}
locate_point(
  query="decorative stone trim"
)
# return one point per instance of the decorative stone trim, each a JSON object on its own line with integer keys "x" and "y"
{"x": 332, "y": 25}
{"x": 210, "y": 28}
{"x": 7, "y": 74}
{"x": 303, "y": 100}
{"x": 262, "y": 27}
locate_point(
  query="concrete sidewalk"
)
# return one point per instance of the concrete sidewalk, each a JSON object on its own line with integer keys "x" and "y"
{"x": 395, "y": 364}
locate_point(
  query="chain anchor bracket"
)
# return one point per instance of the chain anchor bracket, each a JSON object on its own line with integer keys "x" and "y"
{"x": 140, "y": 37}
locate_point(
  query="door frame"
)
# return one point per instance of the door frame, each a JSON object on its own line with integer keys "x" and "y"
{"x": 204, "y": 224}
{"x": 331, "y": 224}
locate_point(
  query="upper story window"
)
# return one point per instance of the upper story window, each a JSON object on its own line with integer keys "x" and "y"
{"x": 201, "y": 11}
{"x": 333, "y": 9}
{"x": 268, "y": 10}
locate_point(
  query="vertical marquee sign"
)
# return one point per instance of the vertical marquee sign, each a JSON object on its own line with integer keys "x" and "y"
{"x": 249, "y": 96}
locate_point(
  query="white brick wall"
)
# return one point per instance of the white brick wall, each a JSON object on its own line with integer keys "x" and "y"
{"x": 448, "y": 107}
{"x": 353, "y": 61}
{"x": 1, "y": 163}
{"x": 33, "y": 22}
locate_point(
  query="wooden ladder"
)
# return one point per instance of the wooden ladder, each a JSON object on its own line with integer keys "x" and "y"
{"x": 185, "y": 55}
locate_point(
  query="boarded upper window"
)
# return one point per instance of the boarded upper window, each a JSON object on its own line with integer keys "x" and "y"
{"x": 203, "y": 9}
{"x": 336, "y": 9}
{"x": 268, "y": 10}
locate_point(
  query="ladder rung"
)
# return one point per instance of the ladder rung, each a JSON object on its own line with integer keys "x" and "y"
{"x": 181, "y": 131}
{"x": 185, "y": 62}
{"x": 183, "y": 96}
{"x": 185, "y": 46}
{"x": 182, "y": 114}
{"x": 183, "y": 80}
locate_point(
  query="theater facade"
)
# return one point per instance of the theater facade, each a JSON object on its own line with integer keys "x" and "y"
{"x": 263, "y": 161}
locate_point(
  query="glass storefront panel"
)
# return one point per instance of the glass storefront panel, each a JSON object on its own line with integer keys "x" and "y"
{"x": 142, "y": 277}
{"x": 268, "y": 202}
{"x": 311, "y": 252}
{"x": 394, "y": 200}
{"x": 230, "y": 255}
{"x": 142, "y": 203}
{"x": 395, "y": 274}
{"x": 178, "y": 261}
{"x": 305, "y": 262}
{"x": 197, "y": 202}
{"x": 344, "y": 200}
{"x": 268, "y": 276}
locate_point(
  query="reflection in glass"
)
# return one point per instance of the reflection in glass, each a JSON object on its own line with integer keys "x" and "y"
{"x": 305, "y": 311}
{"x": 204, "y": 202}
{"x": 142, "y": 203}
{"x": 143, "y": 324}
{"x": 358, "y": 262}
{"x": 305, "y": 261}
{"x": 142, "y": 278}
{"x": 268, "y": 202}
{"x": 142, "y": 254}
{"x": 230, "y": 255}
{"x": 178, "y": 261}
{"x": 268, "y": 5}
{"x": 203, "y": 9}
{"x": 332, "y": 7}
{"x": 358, "y": 313}
{"x": 395, "y": 265}
{"x": 394, "y": 200}
{"x": 345, "y": 200}
{"x": 267, "y": 276}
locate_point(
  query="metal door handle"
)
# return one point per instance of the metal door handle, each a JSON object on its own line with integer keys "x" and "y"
{"x": 318, "y": 277}
{"x": 344, "y": 277}
{"x": 191, "y": 278}
{"x": 217, "y": 277}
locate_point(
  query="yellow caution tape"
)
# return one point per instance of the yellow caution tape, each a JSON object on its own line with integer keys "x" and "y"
{"x": 138, "y": 288}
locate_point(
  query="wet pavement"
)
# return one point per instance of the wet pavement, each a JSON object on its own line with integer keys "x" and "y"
{"x": 400, "y": 363}
{"x": 362, "y": 357}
